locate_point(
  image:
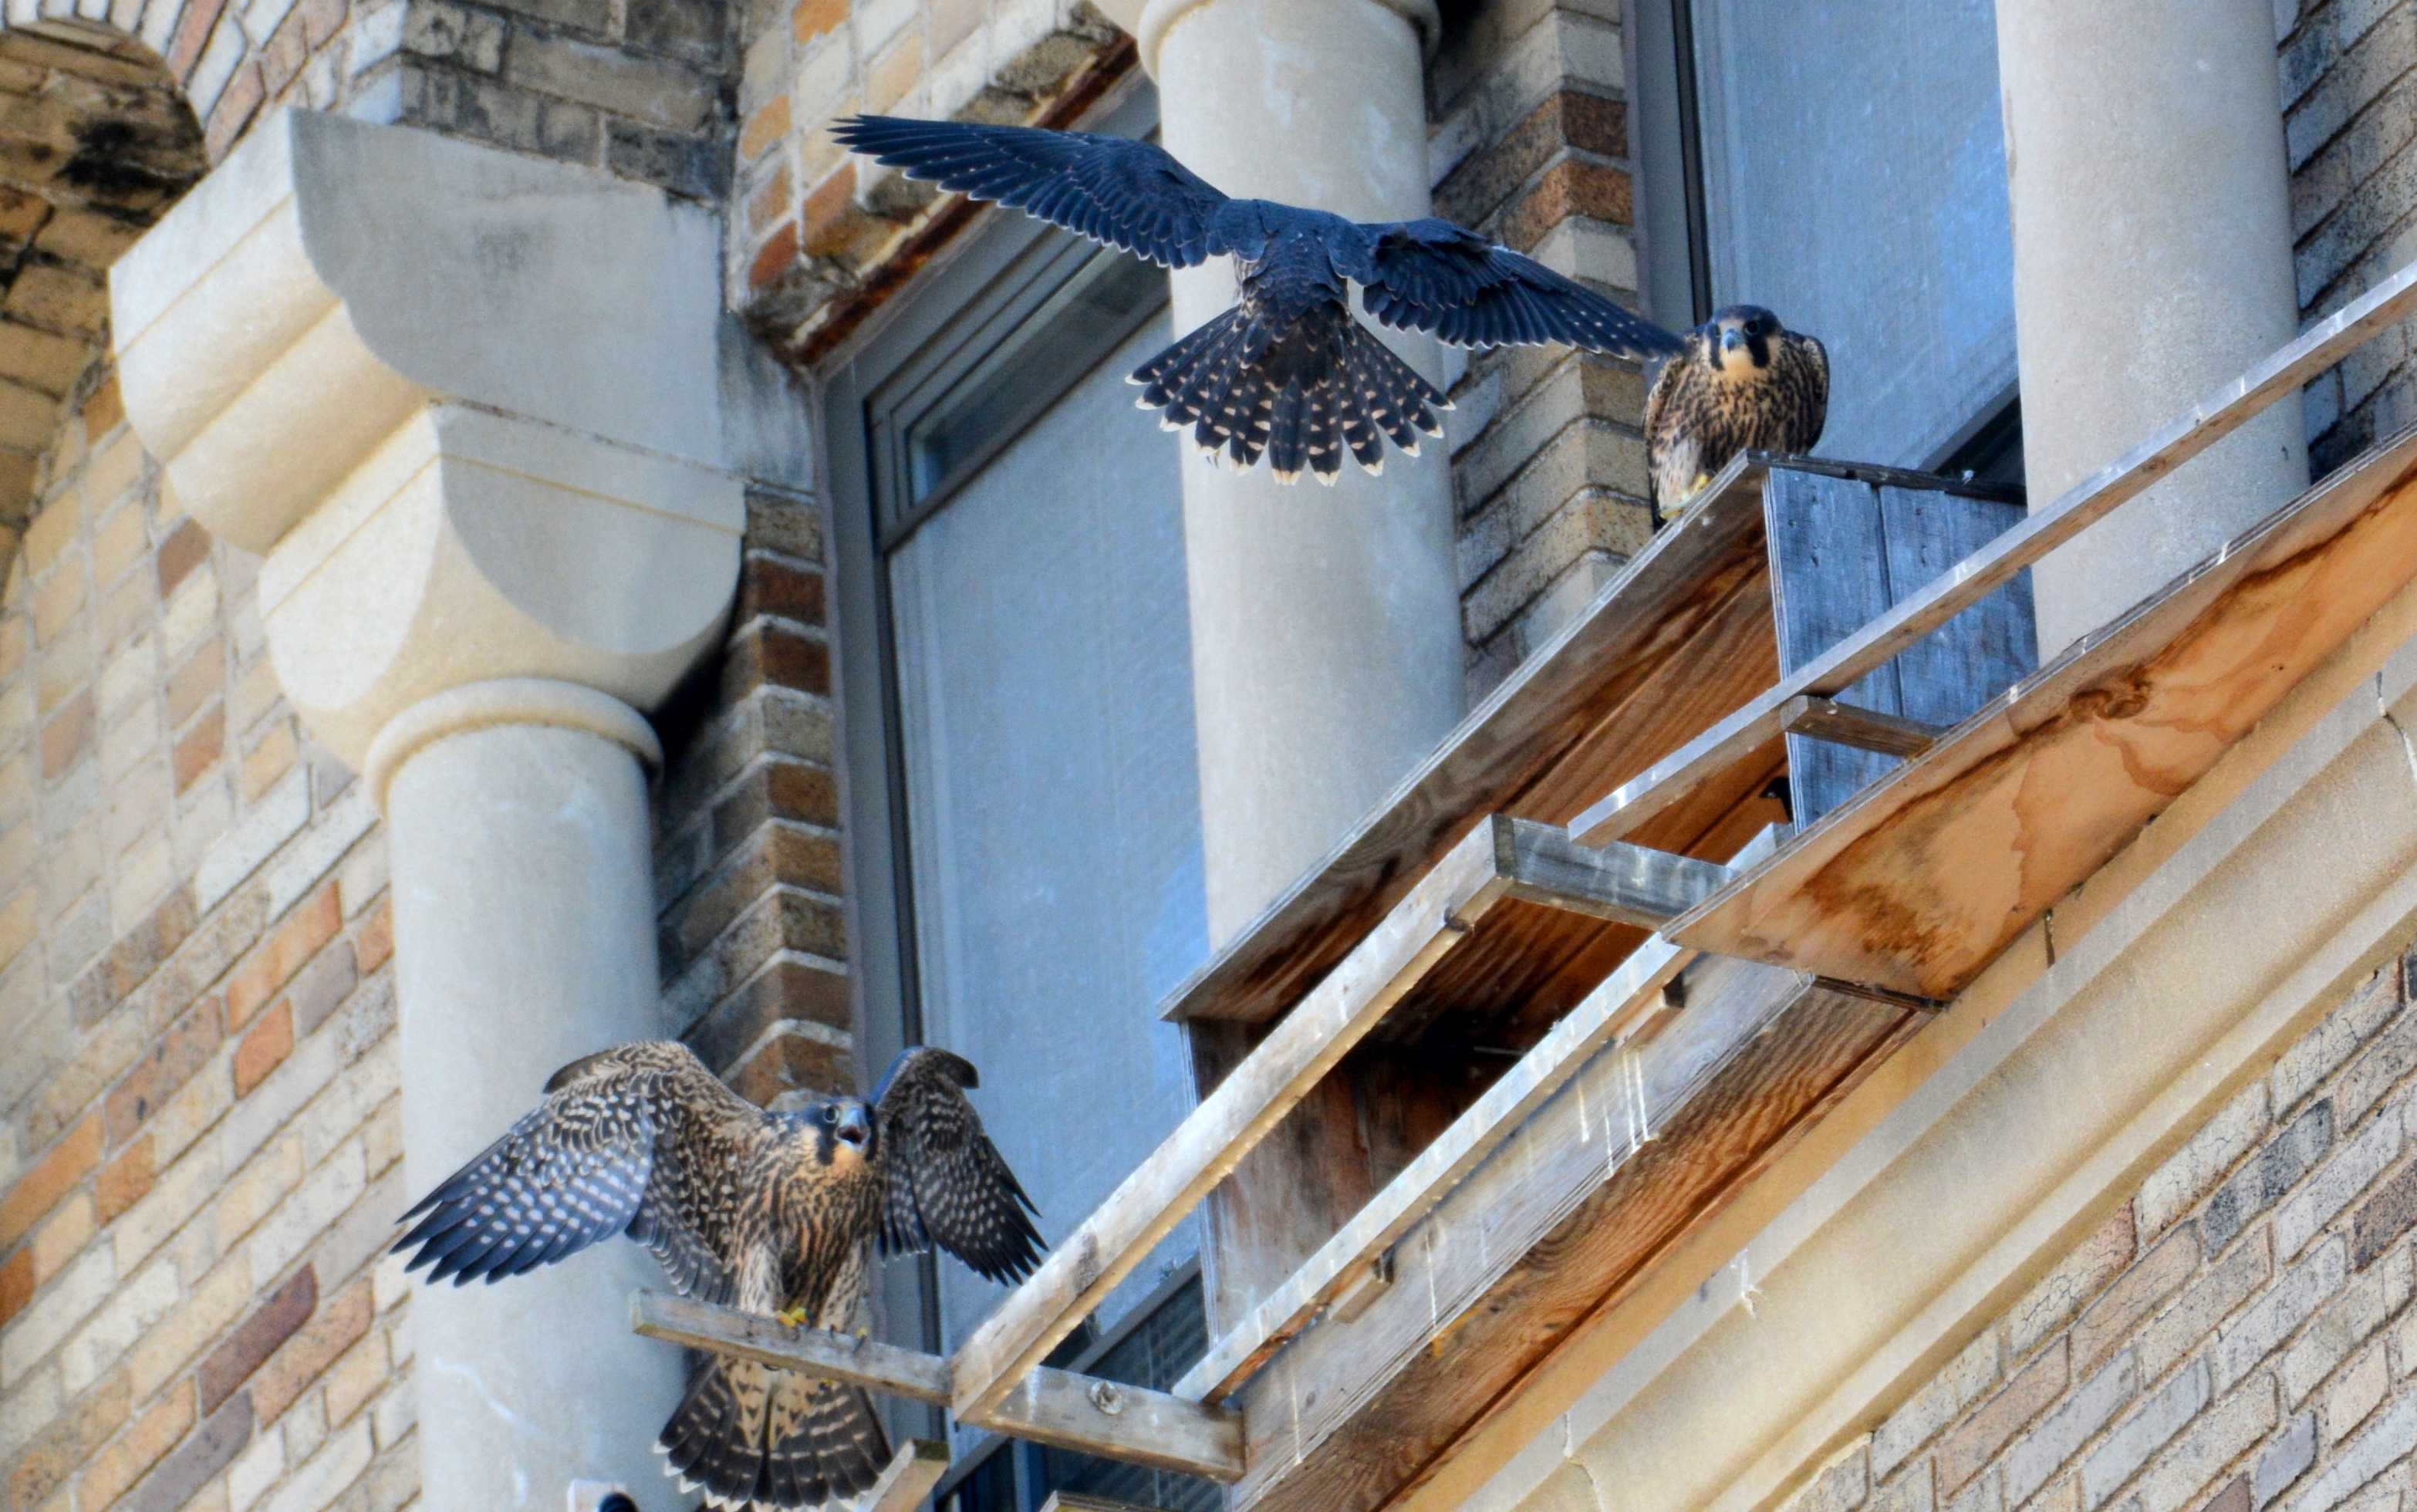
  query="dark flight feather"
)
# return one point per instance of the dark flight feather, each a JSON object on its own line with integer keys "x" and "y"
{"x": 772, "y": 1212}
{"x": 1288, "y": 372}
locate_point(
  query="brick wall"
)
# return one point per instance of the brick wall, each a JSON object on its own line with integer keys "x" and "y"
{"x": 1530, "y": 146}
{"x": 2349, "y": 99}
{"x": 753, "y": 943}
{"x": 199, "y": 1126}
{"x": 2235, "y": 1336}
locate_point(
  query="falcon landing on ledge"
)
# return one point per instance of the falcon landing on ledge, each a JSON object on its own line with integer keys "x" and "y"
{"x": 1745, "y": 383}
{"x": 1286, "y": 371}
{"x": 772, "y": 1213}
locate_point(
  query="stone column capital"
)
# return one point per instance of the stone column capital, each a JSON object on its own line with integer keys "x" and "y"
{"x": 1151, "y": 21}
{"x": 484, "y": 414}
{"x": 532, "y": 701}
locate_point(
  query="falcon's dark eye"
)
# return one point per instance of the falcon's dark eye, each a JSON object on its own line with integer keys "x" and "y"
{"x": 830, "y": 1115}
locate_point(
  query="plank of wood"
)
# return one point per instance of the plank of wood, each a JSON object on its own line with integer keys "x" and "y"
{"x": 1269, "y": 1080}
{"x": 1883, "y": 476}
{"x": 1843, "y": 724}
{"x": 1919, "y": 880}
{"x": 912, "y": 1472}
{"x": 1828, "y": 579}
{"x": 1634, "y": 801}
{"x": 1121, "y": 1422}
{"x": 1108, "y": 1418}
{"x": 1982, "y": 652}
{"x": 1626, "y": 883}
{"x": 1361, "y": 1244}
{"x": 1077, "y": 1501}
{"x": 868, "y": 1363}
{"x": 1676, "y": 641}
{"x": 1647, "y": 1142}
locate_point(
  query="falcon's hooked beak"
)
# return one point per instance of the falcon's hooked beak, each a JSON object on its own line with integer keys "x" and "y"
{"x": 1733, "y": 339}
{"x": 855, "y": 1126}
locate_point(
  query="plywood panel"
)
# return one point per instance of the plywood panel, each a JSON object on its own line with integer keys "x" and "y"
{"x": 1921, "y": 881}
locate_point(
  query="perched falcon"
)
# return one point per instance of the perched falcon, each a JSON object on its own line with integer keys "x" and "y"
{"x": 1745, "y": 383}
{"x": 1286, "y": 371}
{"x": 773, "y": 1213}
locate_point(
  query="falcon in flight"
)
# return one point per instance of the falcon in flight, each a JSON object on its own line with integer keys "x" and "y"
{"x": 772, "y": 1213}
{"x": 1745, "y": 383}
{"x": 1286, "y": 373}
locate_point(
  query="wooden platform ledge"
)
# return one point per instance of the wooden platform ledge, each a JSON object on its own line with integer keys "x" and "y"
{"x": 1049, "y": 1406}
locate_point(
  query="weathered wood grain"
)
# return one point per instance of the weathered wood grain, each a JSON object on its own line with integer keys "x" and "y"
{"x": 1048, "y": 1406}
{"x": 1641, "y": 1146}
{"x": 1428, "y": 1179}
{"x": 912, "y": 1473}
{"x": 1920, "y": 882}
{"x": 1273, "y": 1077}
{"x": 1676, "y": 641}
{"x": 1843, "y": 724}
{"x": 1828, "y": 579}
{"x": 1636, "y": 800}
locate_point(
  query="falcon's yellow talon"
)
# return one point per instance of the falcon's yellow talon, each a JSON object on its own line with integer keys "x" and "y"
{"x": 795, "y": 1317}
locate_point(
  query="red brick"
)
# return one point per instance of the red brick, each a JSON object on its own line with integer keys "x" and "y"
{"x": 301, "y": 1359}
{"x": 2233, "y": 1498}
{"x": 773, "y": 259}
{"x": 282, "y": 58}
{"x": 800, "y": 790}
{"x": 815, "y": 17}
{"x": 828, "y": 220}
{"x": 312, "y": 923}
{"x": 138, "y": 1448}
{"x": 54, "y": 1176}
{"x": 374, "y": 942}
{"x": 1570, "y": 186}
{"x": 765, "y": 128}
{"x": 16, "y": 1284}
{"x": 124, "y": 1180}
{"x": 257, "y": 1338}
{"x": 322, "y": 20}
{"x": 188, "y": 548}
{"x": 767, "y": 586}
{"x": 193, "y": 36}
{"x": 196, "y": 682}
{"x": 68, "y": 735}
{"x": 168, "y": 1064}
{"x": 265, "y": 1049}
{"x": 2383, "y": 1218}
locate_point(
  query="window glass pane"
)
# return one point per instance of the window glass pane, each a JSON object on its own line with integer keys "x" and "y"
{"x": 1044, "y": 669}
{"x": 1855, "y": 175}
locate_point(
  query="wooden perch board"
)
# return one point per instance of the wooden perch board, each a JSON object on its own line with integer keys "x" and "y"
{"x": 1056, "y": 1407}
{"x": 1644, "y": 1144}
{"x": 1679, "y": 637}
{"x": 1501, "y": 861}
{"x": 912, "y": 1473}
{"x": 1672, "y": 779}
{"x": 1921, "y": 879}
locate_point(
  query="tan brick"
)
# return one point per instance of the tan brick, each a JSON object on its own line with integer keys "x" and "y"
{"x": 61, "y": 1237}
{"x": 269, "y": 759}
{"x": 153, "y": 1434}
{"x": 374, "y": 942}
{"x": 250, "y": 1346}
{"x": 195, "y": 683}
{"x": 2354, "y": 1394}
{"x": 2159, "y": 1273}
{"x": 166, "y": 1066}
{"x": 358, "y": 1375}
{"x": 60, "y": 600}
{"x": 41, "y": 1189}
{"x": 56, "y": 528}
{"x": 311, "y": 925}
{"x": 264, "y": 1047}
{"x": 125, "y": 1180}
{"x": 1975, "y": 1442}
{"x": 123, "y": 539}
{"x": 205, "y": 1312}
{"x": 16, "y": 1285}
{"x": 197, "y": 749}
{"x": 812, "y": 18}
{"x": 67, "y": 736}
{"x": 66, "y": 1444}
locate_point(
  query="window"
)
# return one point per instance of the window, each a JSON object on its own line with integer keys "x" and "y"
{"x": 1846, "y": 166}
{"x": 1024, "y": 810}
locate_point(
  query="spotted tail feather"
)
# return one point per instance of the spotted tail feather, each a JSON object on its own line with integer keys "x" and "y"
{"x": 749, "y": 1436}
{"x": 1324, "y": 389}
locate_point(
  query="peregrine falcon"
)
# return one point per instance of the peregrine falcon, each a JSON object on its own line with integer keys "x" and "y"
{"x": 1745, "y": 383}
{"x": 772, "y": 1212}
{"x": 1286, "y": 371}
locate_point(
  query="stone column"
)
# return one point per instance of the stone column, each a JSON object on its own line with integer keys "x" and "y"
{"x": 2152, "y": 262}
{"x": 1326, "y": 644}
{"x": 487, "y": 424}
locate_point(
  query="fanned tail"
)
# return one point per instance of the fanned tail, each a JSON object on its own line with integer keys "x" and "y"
{"x": 1325, "y": 387}
{"x": 749, "y": 1436}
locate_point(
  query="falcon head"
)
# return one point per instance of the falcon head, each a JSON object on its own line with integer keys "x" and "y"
{"x": 842, "y": 1131}
{"x": 1735, "y": 344}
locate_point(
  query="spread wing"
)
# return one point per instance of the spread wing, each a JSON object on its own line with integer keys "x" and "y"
{"x": 1433, "y": 276}
{"x": 1131, "y": 195}
{"x": 641, "y": 1139}
{"x": 946, "y": 1183}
